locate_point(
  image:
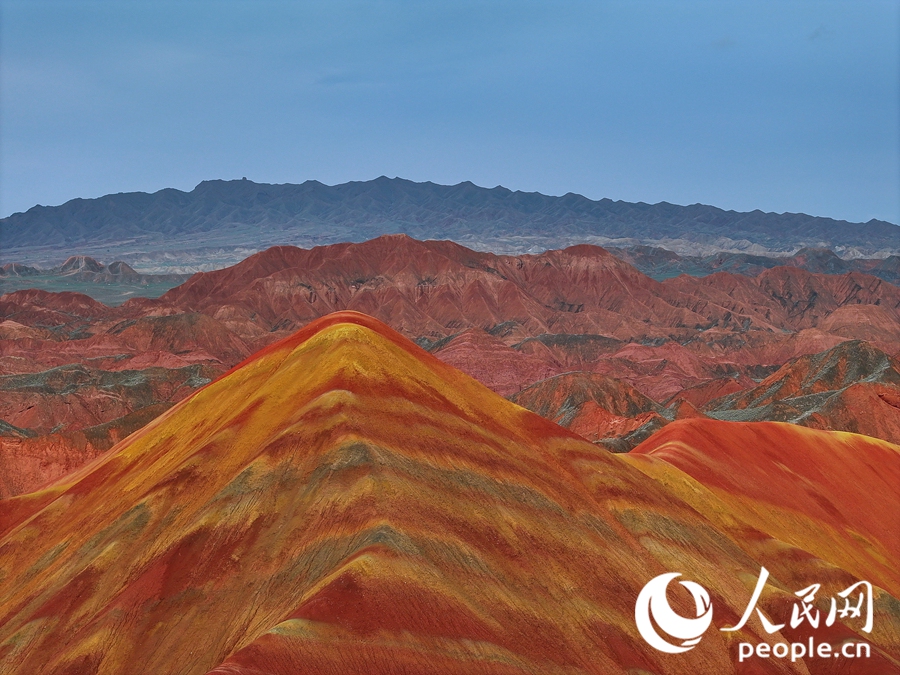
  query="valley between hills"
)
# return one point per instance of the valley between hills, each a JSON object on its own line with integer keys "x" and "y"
{"x": 578, "y": 336}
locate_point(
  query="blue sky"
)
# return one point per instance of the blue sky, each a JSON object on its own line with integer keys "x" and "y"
{"x": 781, "y": 106}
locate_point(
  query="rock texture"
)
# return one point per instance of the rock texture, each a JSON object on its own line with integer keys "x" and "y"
{"x": 344, "y": 502}
{"x": 852, "y": 387}
{"x": 29, "y": 461}
{"x": 437, "y": 288}
{"x": 509, "y": 321}
{"x": 598, "y": 408}
{"x": 490, "y": 361}
{"x": 72, "y": 397}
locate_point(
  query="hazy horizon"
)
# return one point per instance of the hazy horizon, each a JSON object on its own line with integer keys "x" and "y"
{"x": 782, "y": 107}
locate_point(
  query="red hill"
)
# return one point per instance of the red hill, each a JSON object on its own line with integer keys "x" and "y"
{"x": 763, "y": 472}
{"x": 595, "y": 407}
{"x": 851, "y": 387}
{"x": 439, "y": 288}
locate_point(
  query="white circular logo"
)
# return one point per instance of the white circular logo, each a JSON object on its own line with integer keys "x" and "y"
{"x": 652, "y": 602}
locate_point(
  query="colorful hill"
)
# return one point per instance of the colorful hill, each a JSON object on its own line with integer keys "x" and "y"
{"x": 770, "y": 477}
{"x": 343, "y": 502}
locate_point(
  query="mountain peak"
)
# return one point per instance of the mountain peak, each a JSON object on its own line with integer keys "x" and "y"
{"x": 254, "y": 496}
{"x": 80, "y": 263}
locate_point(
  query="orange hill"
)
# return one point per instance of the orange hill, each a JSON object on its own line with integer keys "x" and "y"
{"x": 343, "y": 502}
{"x": 845, "y": 487}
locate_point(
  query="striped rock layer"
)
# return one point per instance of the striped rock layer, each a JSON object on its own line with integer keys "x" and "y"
{"x": 343, "y": 502}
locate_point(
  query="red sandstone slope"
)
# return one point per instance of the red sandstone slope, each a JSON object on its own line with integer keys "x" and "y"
{"x": 789, "y": 297}
{"x": 699, "y": 395}
{"x": 437, "y": 288}
{"x": 427, "y": 288}
{"x": 343, "y": 502}
{"x": 851, "y": 387}
{"x": 35, "y": 306}
{"x": 837, "y": 368}
{"x": 597, "y": 408}
{"x": 488, "y": 360}
{"x": 764, "y": 471}
{"x": 29, "y": 463}
{"x": 70, "y": 398}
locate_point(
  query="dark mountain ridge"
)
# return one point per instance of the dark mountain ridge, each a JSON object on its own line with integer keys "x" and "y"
{"x": 467, "y": 213}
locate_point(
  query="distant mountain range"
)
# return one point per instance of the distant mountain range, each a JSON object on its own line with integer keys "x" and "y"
{"x": 85, "y": 268}
{"x": 112, "y": 284}
{"x": 221, "y": 222}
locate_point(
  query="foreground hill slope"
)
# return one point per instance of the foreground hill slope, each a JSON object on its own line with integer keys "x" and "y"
{"x": 343, "y": 502}
{"x": 764, "y": 472}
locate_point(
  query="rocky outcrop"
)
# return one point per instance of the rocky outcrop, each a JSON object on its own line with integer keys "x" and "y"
{"x": 851, "y": 387}
{"x": 72, "y": 397}
{"x": 598, "y": 408}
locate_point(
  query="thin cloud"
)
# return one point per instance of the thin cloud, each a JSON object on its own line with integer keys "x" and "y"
{"x": 822, "y": 32}
{"x": 724, "y": 44}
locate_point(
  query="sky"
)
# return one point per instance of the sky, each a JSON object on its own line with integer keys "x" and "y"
{"x": 779, "y": 106}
